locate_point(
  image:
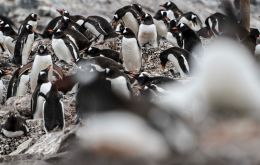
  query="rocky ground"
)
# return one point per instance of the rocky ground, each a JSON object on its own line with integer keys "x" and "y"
{"x": 218, "y": 143}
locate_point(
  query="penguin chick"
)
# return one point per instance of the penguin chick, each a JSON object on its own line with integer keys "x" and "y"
{"x": 147, "y": 35}
{"x": 53, "y": 111}
{"x": 14, "y": 126}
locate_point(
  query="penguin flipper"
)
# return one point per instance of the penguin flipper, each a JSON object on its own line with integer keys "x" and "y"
{"x": 10, "y": 90}
{"x": 73, "y": 49}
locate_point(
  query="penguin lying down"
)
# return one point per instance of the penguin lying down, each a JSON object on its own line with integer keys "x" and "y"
{"x": 14, "y": 126}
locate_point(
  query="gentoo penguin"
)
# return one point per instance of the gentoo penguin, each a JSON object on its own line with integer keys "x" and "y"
{"x": 76, "y": 33}
{"x": 147, "y": 35}
{"x": 192, "y": 20}
{"x": 100, "y": 27}
{"x": 120, "y": 83}
{"x": 173, "y": 12}
{"x": 42, "y": 88}
{"x": 53, "y": 111}
{"x": 215, "y": 23}
{"x": 109, "y": 53}
{"x": 131, "y": 52}
{"x": 2, "y": 73}
{"x": 190, "y": 39}
{"x": 99, "y": 63}
{"x": 160, "y": 20}
{"x": 42, "y": 60}
{"x": 181, "y": 59}
{"x": 23, "y": 45}
{"x": 14, "y": 126}
{"x": 173, "y": 35}
{"x": 145, "y": 79}
{"x": 31, "y": 19}
{"x": 9, "y": 36}
{"x": 129, "y": 18}
{"x": 7, "y": 20}
{"x": 64, "y": 48}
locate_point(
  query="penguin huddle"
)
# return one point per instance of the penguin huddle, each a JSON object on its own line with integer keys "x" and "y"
{"x": 77, "y": 60}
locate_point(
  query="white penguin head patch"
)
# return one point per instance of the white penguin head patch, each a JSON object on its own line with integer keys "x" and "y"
{"x": 193, "y": 16}
{"x": 116, "y": 16}
{"x": 7, "y": 25}
{"x": 168, "y": 4}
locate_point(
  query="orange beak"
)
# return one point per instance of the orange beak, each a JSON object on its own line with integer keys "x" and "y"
{"x": 61, "y": 11}
{"x": 175, "y": 29}
{"x": 50, "y": 30}
{"x": 163, "y": 66}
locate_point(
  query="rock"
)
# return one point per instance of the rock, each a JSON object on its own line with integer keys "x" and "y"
{"x": 21, "y": 148}
{"x": 27, "y": 4}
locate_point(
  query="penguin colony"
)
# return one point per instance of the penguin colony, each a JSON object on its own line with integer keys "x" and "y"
{"x": 105, "y": 79}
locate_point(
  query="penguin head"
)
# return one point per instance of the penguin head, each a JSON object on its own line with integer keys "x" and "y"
{"x": 33, "y": 17}
{"x": 128, "y": 33}
{"x": 59, "y": 33}
{"x": 143, "y": 78}
{"x": 147, "y": 19}
{"x": 42, "y": 49}
{"x": 63, "y": 12}
{"x": 29, "y": 28}
{"x": 120, "y": 28}
{"x": 137, "y": 7}
{"x": 164, "y": 59}
{"x": 169, "y": 5}
{"x": 183, "y": 27}
{"x": 2, "y": 23}
{"x": 92, "y": 51}
{"x": 161, "y": 15}
{"x": 173, "y": 25}
{"x": 43, "y": 75}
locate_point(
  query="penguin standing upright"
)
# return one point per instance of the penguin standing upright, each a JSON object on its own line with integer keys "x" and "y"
{"x": 42, "y": 60}
{"x": 160, "y": 20}
{"x": 14, "y": 126}
{"x": 53, "y": 111}
{"x": 147, "y": 35}
{"x": 129, "y": 18}
{"x": 131, "y": 52}
{"x": 2, "y": 73}
{"x": 9, "y": 36}
{"x": 23, "y": 46}
{"x": 38, "y": 96}
{"x": 64, "y": 48}
{"x": 31, "y": 19}
{"x": 173, "y": 35}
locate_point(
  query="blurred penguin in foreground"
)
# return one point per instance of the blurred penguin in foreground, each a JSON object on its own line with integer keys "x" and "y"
{"x": 227, "y": 80}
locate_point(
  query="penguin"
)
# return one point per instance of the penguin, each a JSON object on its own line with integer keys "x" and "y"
{"x": 173, "y": 35}
{"x": 173, "y": 12}
{"x": 38, "y": 96}
{"x": 64, "y": 48}
{"x": 147, "y": 35}
{"x": 181, "y": 59}
{"x": 7, "y": 21}
{"x": 99, "y": 63}
{"x": 114, "y": 55}
{"x": 129, "y": 18}
{"x": 53, "y": 111}
{"x": 190, "y": 39}
{"x": 42, "y": 60}
{"x": 192, "y": 20}
{"x": 145, "y": 79}
{"x": 14, "y": 126}
{"x": 215, "y": 23}
{"x": 23, "y": 45}
{"x": 120, "y": 82}
{"x": 100, "y": 27}
{"x": 31, "y": 19}
{"x": 160, "y": 21}
{"x": 9, "y": 36}
{"x": 2, "y": 87}
{"x": 131, "y": 52}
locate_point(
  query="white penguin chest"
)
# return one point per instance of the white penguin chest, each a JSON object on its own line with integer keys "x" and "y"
{"x": 92, "y": 29}
{"x": 61, "y": 50}
{"x": 161, "y": 28}
{"x": 119, "y": 85}
{"x": 147, "y": 34}
{"x": 170, "y": 38}
{"x": 27, "y": 48}
{"x": 131, "y": 54}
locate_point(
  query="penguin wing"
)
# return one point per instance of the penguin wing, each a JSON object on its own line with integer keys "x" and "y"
{"x": 35, "y": 96}
{"x": 103, "y": 26}
{"x": 18, "y": 49}
{"x": 183, "y": 64}
{"x": 72, "y": 48}
{"x": 12, "y": 82}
